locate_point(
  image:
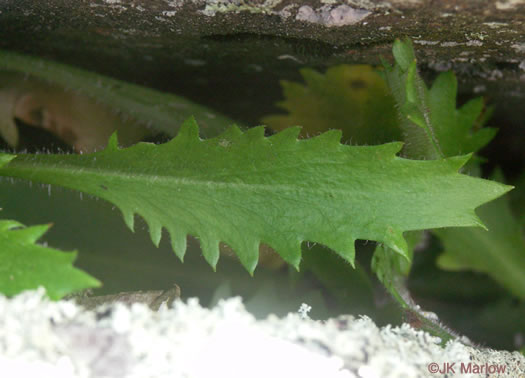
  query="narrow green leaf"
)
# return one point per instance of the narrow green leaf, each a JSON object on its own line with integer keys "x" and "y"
{"x": 412, "y": 93}
{"x": 26, "y": 265}
{"x": 163, "y": 111}
{"x": 442, "y": 130}
{"x": 245, "y": 189}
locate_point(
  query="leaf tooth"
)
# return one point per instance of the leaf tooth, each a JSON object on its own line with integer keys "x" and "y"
{"x": 155, "y": 231}
{"x": 312, "y": 77}
{"x": 6, "y": 158}
{"x": 178, "y": 243}
{"x": 112, "y": 142}
{"x": 481, "y": 138}
{"x": 189, "y": 131}
{"x": 476, "y": 221}
{"x": 248, "y": 253}
{"x": 329, "y": 138}
{"x": 289, "y": 250}
{"x": 387, "y": 150}
{"x": 290, "y": 134}
{"x": 255, "y": 133}
{"x": 210, "y": 250}
{"x": 395, "y": 240}
{"x": 469, "y": 113}
{"x": 31, "y": 234}
{"x": 456, "y": 162}
{"x": 129, "y": 218}
{"x": 344, "y": 247}
{"x": 232, "y": 132}
{"x": 9, "y": 224}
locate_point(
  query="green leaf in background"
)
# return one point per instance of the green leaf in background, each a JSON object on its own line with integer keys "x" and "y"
{"x": 432, "y": 126}
{"x": 353, "y": 99}
{"x": 455, "y": 128}
{"x": 245, "y": 189}
{"x": 498, "y": 251}
{"x": 27, "y": 265}
{"x": 162, "y": 111}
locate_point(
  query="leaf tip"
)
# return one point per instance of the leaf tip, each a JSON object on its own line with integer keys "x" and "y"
{"x": 155, "y": 233}
{"x": 129, "y": 219}
{"x": 332, "y": 136}
{"x": 344, "y": 247}
{"x": 478, "y": 222}
{"x": 457, "y": 162}
{"x": 178, "y": 244}
{"x": 287, "y": 134}
{"x": 255, "y": 133}
{"x": 233, "y": 131}
{"x": 113, "y": 142}
{"x": 394, "y": 239}
{"x": 403, "y": 52}
{"x": 210, "y": 250}
{"x": 189, "y": 130}
{"x": 6, "y": 158}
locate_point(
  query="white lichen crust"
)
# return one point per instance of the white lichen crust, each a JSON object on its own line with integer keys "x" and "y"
{"x": 59, "y": 339}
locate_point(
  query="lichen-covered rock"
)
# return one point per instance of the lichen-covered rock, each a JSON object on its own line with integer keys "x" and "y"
{"x": 60, "y": 339}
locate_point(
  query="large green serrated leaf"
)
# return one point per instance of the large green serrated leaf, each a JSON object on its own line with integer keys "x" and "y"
{"x": 245, "y": 189}
{"x": 27, "y": 265}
